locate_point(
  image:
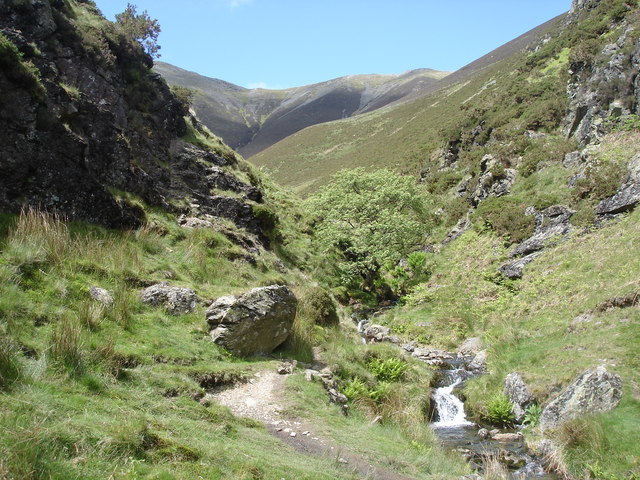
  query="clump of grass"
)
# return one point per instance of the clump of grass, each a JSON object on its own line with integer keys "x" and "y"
{"x": 10, "y": 366}
{"x": 120, "y": 311}
{"x": 494, "y": 469}
{"x": 66, "y": 346}
{"x": 91, "y": 315}
{"x": 37, "y": 238}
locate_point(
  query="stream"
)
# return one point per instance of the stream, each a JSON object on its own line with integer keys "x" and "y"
{"x": 477, "y": 445}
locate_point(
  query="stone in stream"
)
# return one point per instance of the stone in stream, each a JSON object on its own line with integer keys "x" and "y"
{"x": 255, "y": 322}
{"x": 519, "y": 395}
{"x": 594, "y": 391}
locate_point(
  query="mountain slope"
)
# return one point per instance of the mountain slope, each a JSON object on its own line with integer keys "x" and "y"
{"x": 404, "y": 134}
{"x": 252, "y": 120}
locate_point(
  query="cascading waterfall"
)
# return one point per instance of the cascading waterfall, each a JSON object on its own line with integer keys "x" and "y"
{"x": 450, "y": 408}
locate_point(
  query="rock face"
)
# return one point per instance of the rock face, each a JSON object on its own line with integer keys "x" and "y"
{"x": 592, "y": 100}
{"x": 628, "y": 196}
{"x": 594, "y": 391}
{"x": 255, "y": 322}
{"x": 519, "y": 394}
{"x": 95, "y": 119}
{"x": 175, "y": 300}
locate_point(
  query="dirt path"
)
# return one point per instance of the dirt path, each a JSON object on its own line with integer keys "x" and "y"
{"x": 261, "y": 399}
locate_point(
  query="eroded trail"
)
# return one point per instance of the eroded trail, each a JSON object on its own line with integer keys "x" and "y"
{"x": 262, "y": 399}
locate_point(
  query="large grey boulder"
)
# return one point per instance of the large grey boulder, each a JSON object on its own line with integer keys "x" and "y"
{"x": 594, "y": 391}
{"x": 175, "y": 300}
{"x": 255, "y": 322}
{"x": 519, "y": 395}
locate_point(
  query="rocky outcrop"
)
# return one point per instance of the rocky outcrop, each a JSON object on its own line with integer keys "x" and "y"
{"x": 494, "y": 180}
{"x": 432, "y": 356}
{"x": 600, "y": 88}
{"x": 175, "y": 300}
{"x": 519, "y": 394}
{"x": 478, "y": 364}
{"x": 93, "y": 120}
{"x": 552, "y": 226}
{"x": 628, "y": 196}
{"x": 102, "y": 120}
{"x": 594, "y": 391}
{"x": 253, "y": 323}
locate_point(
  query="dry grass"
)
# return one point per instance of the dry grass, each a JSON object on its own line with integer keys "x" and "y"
{"x": 493, "y": 468}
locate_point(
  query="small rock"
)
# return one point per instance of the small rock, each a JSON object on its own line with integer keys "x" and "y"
{"x": 376, "y": 333}
{"x": 176, "y": 300}
{"x": 507, "y": 437}
{"x": 286, "y": 368}
{"x": 342, "y": 460}
{"x": 293, "y": 434}
{"x": 479, "y": 362}
{"x": 470, "y": 347}
{"x": 483, "y": 433}
{"x": 101, "y": 295}
{"x": 310, "y": 375}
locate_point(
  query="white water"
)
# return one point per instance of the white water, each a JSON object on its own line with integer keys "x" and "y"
{"x": 450, "y": 408}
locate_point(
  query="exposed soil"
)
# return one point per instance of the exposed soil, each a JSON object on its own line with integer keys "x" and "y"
{"x": 261, "y": 398}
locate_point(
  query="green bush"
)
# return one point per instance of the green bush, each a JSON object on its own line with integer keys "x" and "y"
{"x": 355, "y": 388}
{"x": 602, "y": 179}
{"x": 316, "y": 305}
{"x": 499, "y": 411}
{"x": 505, "y": 216}
{"x": 267, "y": 218}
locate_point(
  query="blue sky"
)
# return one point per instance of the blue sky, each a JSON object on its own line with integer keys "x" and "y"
{"x": 286, "y": 43}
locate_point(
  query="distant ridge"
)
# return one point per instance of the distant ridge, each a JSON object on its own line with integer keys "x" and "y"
{"x": 251, "y": 120}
